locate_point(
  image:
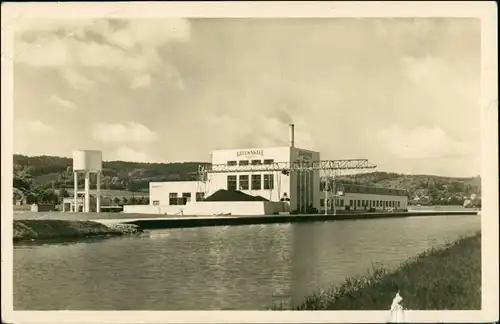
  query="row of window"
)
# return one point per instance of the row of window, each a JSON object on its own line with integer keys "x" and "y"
{"x": 255, "y": 182}
{"x": 368, "y": 190}
{"x": 364, "y": 203}
{"x": 250, "y": 162}
{"x": 174, "y": 199}
{"x": 338, "y": 202}
{"x": 374, "y": 203}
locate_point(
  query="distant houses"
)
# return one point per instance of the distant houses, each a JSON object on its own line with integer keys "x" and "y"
{"x": 456, "y": 199}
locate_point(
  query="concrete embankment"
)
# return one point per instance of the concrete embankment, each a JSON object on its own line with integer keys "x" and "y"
{"x": 160, "y": 222}
{"x": 446, "y": 278}
{"x": 51, "y": 229}
{"x": 155, "y": 221}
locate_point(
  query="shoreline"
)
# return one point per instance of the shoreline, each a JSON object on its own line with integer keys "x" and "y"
{"x": 209, "y": 221}
{"x": 442, "y": 278}
{"x": 54, "y": 230}
{"x": 151, "y": 221}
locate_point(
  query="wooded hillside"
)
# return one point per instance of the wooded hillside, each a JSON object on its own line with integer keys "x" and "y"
{"x": 33, "y": 176}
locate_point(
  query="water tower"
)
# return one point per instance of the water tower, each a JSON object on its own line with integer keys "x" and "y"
{"x": 87, "y": 162}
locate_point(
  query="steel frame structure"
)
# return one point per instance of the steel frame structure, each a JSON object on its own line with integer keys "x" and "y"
{"x": 351, "y": 164}
{"x": 327, "y": 167}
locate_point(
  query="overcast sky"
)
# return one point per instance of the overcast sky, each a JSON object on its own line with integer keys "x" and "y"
{"x": 403, "y": 93}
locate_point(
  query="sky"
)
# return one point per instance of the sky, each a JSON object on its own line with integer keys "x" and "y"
{"x": 403, "y": 93}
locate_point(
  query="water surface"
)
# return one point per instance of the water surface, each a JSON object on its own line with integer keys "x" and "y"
{"x": 240, "y": 268}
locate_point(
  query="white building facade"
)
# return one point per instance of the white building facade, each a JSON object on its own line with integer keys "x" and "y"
{"x": 174, "y": 193}
{"x": 362, "y": 198}
{"x": 300, "y": 188}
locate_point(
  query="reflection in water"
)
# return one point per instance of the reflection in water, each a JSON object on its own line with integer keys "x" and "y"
{"x": 344, "y": 249}
{"x": 244, "y": 267}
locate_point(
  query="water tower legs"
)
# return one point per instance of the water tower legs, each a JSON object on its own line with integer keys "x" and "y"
{"x": 98, "y": 193}
{"x": 87, "y": 192}
{"x": 75, "y": 192}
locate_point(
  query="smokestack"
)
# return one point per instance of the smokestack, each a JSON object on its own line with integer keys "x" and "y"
{"x": 292, "y": 135}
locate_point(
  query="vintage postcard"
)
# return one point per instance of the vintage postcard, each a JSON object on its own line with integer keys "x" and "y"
{"x": 226, "y": 162}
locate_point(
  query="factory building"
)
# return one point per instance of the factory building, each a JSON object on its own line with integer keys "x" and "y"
{"x": 352, "y": 197}
{"x": 296, "y": 190}
{"x": 282, "y": 179}
{"x": 299, "y": 188}
{"x": 173, "y": 197}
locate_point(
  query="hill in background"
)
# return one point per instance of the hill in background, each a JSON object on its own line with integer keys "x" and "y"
{"x": 425, "y": 189}
{"x": 56, "y": 172}
{"x": 37, "y": 176}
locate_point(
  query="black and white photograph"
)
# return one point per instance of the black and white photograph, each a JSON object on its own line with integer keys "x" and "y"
{"x": 280, "y": 160}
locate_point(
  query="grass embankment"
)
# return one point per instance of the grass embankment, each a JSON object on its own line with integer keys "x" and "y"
{"x": 52, "y": 229}
{"x": 447, "y": 278}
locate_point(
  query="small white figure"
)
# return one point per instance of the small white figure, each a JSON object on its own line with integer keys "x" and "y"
{"x": 397, "y": 309}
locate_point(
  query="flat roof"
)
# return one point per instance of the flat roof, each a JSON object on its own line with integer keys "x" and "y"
{"x": 352, "y": 188}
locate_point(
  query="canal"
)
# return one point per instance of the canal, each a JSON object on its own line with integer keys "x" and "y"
{"x": 220, "y": 268}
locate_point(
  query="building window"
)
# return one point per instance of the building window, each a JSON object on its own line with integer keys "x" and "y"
{"x": 256, "y": 182}
{"x": 172, "y": 198}
{"x": 399, "y": 204}
{"x": 186, "y": 197}
{"x": 351, "y": 203}
{"x": 231, "y": 182}
{"x": 256, "y": 162}
{"x": 243, "y": 162}
{"x": 268, "y": 182}
{"x": 359, "y": 203}
{"x": 244, "y": 182}
{"x": 341, "y": 202}
{"x": 268, "y": 161}
{"x": 200, "y": 196}
{"x": 231, "y": 163}
{"x": 322, "y": 202}
{"x": 156, "y": 202}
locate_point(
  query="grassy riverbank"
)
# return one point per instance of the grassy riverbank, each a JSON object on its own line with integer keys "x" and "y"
{"x": 50, "y": 229}
{"x": 447, "y": 278}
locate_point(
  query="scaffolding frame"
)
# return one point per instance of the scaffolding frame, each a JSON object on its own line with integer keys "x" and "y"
{"x": 329, "y": 168}
{"x": 351, "y": 164}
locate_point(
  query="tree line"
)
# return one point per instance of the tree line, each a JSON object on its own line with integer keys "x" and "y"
{"x": 45, "y": 179}
{"x": 50, "y": 172}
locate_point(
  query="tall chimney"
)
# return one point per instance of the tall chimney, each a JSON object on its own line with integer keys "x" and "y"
{"x": 292, "y": 135}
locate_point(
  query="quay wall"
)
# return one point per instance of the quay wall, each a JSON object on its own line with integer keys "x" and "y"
{"x": 187, "y": 221}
